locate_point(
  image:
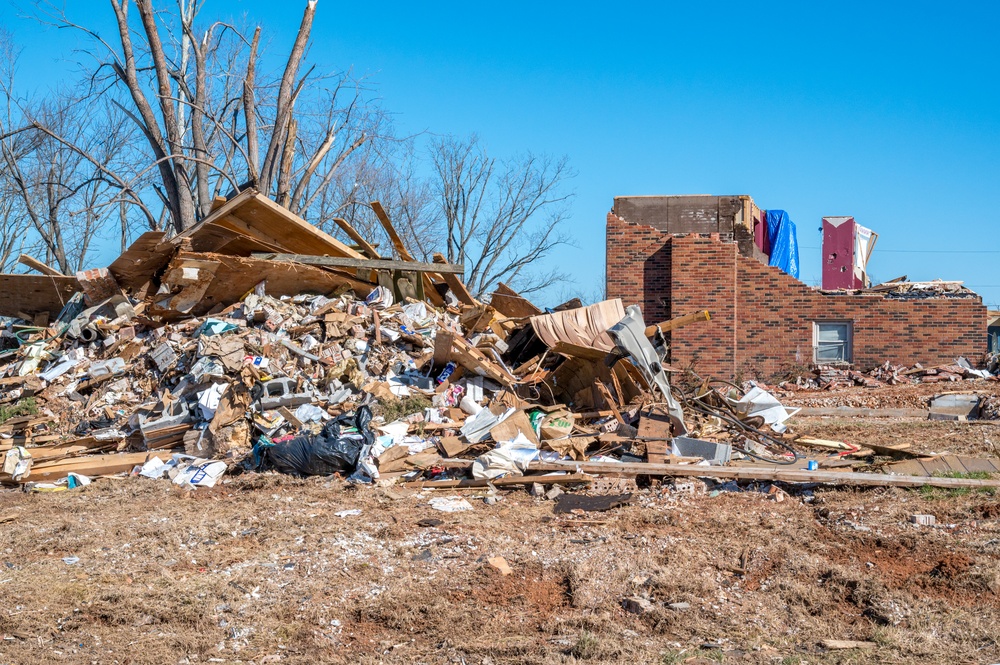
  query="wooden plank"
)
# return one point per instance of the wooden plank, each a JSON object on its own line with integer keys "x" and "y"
{"x": 679, "y": 321}
{"x": 473, "y": 360}
{"x": 92, "y": 465}
{"x": 854, "y": 412}
{"x": 236, "y": 276}
{"x": 33, "y": 294}
{"x": 773, "y": 473}
{"x": 145, "y": 257}
{"x": 511, "y": 304}
{"x": 456, "y": 285}
{"x": 353, "y": 234}
{"x": 429, "y": 291}
{"x": 253, "y": 214}
{"x": 570, "y": 479}
{"x": 397, "y": 242}
{"x": 37, "y": 265}
{"x": 364, "y": 264}
{"x": 847, "y": 644}
{"x": 579, "y": 351}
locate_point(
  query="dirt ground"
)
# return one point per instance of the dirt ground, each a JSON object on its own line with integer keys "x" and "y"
{"x": 261, "y": 569}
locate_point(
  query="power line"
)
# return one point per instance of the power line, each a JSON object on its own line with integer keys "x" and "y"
{"x": 928, "y": 251}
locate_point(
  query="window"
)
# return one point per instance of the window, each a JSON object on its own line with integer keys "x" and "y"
{"x": 832, "y": 341}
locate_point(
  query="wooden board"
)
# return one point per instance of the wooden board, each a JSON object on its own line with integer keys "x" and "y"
{"x": 511, "y": 304}
{"x": 253, "y": 214}
{"x": 37, "y": 265}
{"x": 366, "y": 248}
{"x": 34, "y": 294}
{"x": 372, "y": 264}
{"x": 236, "y": 276}
{"x": 570, "y": 479}
{"x": 764, "y": 472}
{"x": 945, "y": 464}
{"x": 143, "y": 259}
{"x": 853, "y": 412}
{"x": 678, "y": 322}
{"x": 91, "y": 465}
{"x": 456, "y": 285}
{"x": 397, "y": 242}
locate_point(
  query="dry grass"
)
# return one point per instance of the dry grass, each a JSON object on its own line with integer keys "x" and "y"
{"x": 260, "y": 569}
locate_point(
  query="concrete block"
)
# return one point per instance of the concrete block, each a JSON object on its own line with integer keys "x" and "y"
{"x": 281, "y": 392}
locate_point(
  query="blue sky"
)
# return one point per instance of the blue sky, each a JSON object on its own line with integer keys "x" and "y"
{"x": 886, "y": 111}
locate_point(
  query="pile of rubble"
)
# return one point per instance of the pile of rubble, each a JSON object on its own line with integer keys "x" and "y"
{"x": 829, "y": 377}
{"x": 256, "y": 342}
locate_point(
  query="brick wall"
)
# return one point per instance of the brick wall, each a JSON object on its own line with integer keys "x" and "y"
{"x": 638, "y": 267}
{"x": 762, "y": 319}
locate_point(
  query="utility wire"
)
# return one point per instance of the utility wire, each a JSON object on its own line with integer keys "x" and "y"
{"x": 927, "y": 251}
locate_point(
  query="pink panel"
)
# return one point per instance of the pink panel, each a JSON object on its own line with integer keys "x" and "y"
{"x": 838, "y": 254}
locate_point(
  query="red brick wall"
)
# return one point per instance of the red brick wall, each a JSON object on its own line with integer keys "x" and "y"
{"x": 638, "y": 267}
{"x": 762, "y": 319}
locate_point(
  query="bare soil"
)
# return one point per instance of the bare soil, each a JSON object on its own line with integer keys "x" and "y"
{"x": 261, "y": 569}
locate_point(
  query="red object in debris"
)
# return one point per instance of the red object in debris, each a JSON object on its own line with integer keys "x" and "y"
{"x": 846, "y": 246}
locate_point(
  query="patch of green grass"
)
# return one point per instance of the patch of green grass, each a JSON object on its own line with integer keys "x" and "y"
{"x": 585, "y": 647}
{"x": 23, "y": 407}
{"x": 935, "y": 493}
{"x": 672, "y": 657}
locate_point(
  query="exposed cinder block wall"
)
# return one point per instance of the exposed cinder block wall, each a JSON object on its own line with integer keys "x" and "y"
{"x": 762, "y": 319}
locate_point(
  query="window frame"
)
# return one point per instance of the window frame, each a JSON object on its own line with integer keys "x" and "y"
{"x": 848, "y": 343}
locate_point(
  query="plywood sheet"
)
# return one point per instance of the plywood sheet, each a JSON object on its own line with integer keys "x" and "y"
{"x": 236, "y": 276}
{"x": 510, "y": 303}
{"x": 34, "y": 294}
{"x": 145, "y": 257}
{"x": 253, "y": 214}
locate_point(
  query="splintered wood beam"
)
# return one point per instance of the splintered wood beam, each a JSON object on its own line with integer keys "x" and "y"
{"x": 430, "y": 292}
{"x": 397, "y": 242}
{"x": 364, "y": 264}
{"x": 456, "y": 285}
{"x": 678, "y": 322}
{"x": 353, "y": 234}
{"x": 35, "y": 264}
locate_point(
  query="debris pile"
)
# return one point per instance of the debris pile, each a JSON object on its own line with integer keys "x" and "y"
{"x": 830, "y": 377}
{"x": 256, "y": 342}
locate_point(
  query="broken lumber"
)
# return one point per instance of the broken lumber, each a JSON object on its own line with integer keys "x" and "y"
{"x": 35, "y": 264}
{"x": 456, "y": 285}
{"x": 353, "y": 234}
{"x": 363, "y": 264}
{"x": 854, "y": 412}
{"x": 429, "y": 291}
{"x": 547, "y": 479}
{"x": 764, "y": 473}
{"x": 679, "y": 321}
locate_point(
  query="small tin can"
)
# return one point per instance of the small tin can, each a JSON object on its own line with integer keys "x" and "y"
{"x": 812, "y": 465}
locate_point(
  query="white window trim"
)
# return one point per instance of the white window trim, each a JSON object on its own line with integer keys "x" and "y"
{"x": 848, "y": 343}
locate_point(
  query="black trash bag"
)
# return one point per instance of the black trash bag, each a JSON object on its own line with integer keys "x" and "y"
{"x": 326, "y": 453}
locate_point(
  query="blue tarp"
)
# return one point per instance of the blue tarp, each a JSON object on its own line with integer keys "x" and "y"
{"x": 784, "y": 244}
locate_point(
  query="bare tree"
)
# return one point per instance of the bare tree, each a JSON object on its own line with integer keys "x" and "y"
{"x": 60, "y": 182}
{"x": 205, "y": 110}
{"x": 501, "y": 218}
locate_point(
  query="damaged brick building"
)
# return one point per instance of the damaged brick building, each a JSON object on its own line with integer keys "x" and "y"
{"x": 675, "y": 255}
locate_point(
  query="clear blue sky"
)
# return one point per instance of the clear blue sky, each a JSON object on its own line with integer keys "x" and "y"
{"x": 887, "y": 111}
